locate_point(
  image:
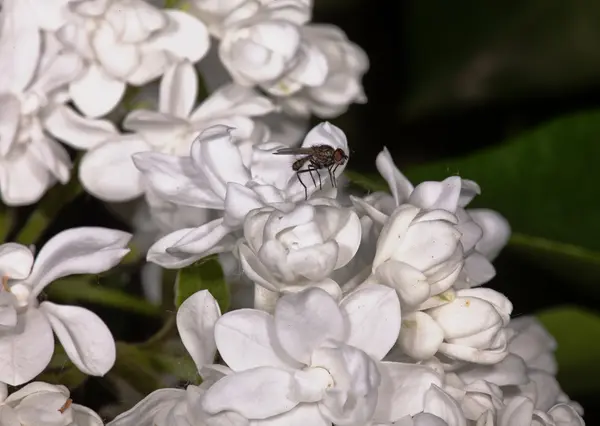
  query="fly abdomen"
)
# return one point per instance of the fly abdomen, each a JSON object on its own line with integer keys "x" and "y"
{"x": 297, "y": 165}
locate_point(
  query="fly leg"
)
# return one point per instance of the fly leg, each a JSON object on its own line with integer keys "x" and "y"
{"x": 309, "y": 170}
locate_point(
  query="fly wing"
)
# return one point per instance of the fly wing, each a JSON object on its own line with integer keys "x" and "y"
{"x": 293, "y": 151}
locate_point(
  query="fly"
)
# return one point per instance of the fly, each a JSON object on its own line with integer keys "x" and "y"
{"x": 318, "y": 157}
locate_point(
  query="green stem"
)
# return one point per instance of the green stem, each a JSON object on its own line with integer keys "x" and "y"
{"x": 49, "y": 207}
{"x": 7, "y": 218}
{"x": 161, "y": 335}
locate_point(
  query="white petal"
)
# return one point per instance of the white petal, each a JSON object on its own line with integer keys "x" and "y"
{"x": 196, "y": 319}
{"x": 255, "y": 270}
{"x": 411, "y": 284}
{"x": 44, "y": 408}
{"x": 176, "y": 180}
{"x": 233, "y": 99}
{"x": 565, "y": 414}
{"x": 373, "y": 315}
{"x": 479, "y": 269}
{"x": 23, "y": 181}
{"x": 56, "y": 70}
{"x": 420, "y": 336}
{"x": 178, "y": 89}
{"x": 512, "y": 370}
{"x": 442, "y": 405}
{"x": 160, "y": 130}
{"x": 301, "y": 415}
{"x": 108, "y": 171}
{"x": 34, "y": 388}
{"x": 245, "y": 339}
{"x": 239, "y": 201}
{"x": 157, "y": 252}
{"x": 403, "y": 388}
{"x": 15, "y": 261}
{"x": 143, "y": 412}
{"x": 518, "y": 412}
{"x": 399, "y": 185}
{"x": 394, "y": 230}
{"x": 18, "y": 66}
{"x": 86, "y": 339}
{"x": 83, "y": 416}
{"x": 348, "y": 238}
{"x": 52, "y": 156}
{"x": 9, "y": 122}
{"x": 85, "y": 250}
{"x": 181, "y": 30}
{"x": 437, "y": 195}
{"x": 117, "y": 59}
{"x": 8, "y": 417}
{"x": 26, "y": 349}
{"x": 258, "y": 393}
{"x": 77, "y": 131}
{"x": 303, "y": 321}
{"x": 496, "y": 231}
{"x": 205, "y": 239}
{"x": 465, "y": 316}
{"x": 96, "y": 93}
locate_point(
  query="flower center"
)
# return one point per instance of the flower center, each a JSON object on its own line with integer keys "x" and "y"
{"x": 21, "y": 292}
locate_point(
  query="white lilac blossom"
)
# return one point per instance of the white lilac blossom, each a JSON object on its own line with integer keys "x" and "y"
{"x": 26, "y": 340}
{"x": 342, "y": 86}
{"x": 289, "y": 246}
{"x": 30, "y": 89}
{"x": 124, "y": 42}
{"x": 214, "y": 176}
{"x": 107, "y": 170}
{"x": 483, "y": 232}
{"x": 39, "y": 403}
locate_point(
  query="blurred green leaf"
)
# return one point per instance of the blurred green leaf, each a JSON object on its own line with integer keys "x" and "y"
{"x": 181, "y": 366}
{"x": 7, "y": 219}
{"x": 81, "y": 289}
{"x": 136, "y": 367}
{"x": 578, "y": 335}
{"x": 61, "y": 371}
{"x": 205, "y": 274}
{"x": 545, "y": 182}
{"x": 498, "y": 49}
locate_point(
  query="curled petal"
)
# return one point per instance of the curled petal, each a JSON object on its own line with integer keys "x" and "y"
{"x": 85, "y": 250}
{"x": 158, "y": 254}
{"x": 420, "y": 336}
{"x": 15, "y": 261}
{"x": 437, "y": 195}
{"x": 86, "y": 339}
{"x": 442, "y": 405}
{"x": 143, "y": 413}
{"x": 204, "y": 240}
{"x": 239, "y": 392}
{"x": 399, "y": 185}
{"x": 496, "y": 231}
{"x": 411, "y": 285}
{"x": 175, "y": 38}
{"x": 178, "y": 90}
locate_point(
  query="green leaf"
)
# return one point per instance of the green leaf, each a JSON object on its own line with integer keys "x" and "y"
{"x": 181, "y": 366}
{"x": 81, "y": 289}
{"x": 578, "y": 335}
{"x": 136, "y": 367}
{"x": 545, "y": 182}
{"x": 498, "y": 50}
{"x": 203, "y": 275}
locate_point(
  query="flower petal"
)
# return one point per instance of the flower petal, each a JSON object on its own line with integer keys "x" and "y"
{"x": 16, "y": 261}
{"x": 420, "y": 336}
{"x": 96, "y": 93}
{"x": 403, "y": 389}
{"x": 239, "y": 201}
{"x": 86, "y": 339}
{"x": 49, "y": 154}
{"x": 511, "y": 371}
{"x": 83, "y": 416}
{"x": 240, "y": 392}
{"x": 373, "y": 315}
{"x": 206, "y": 239}
{"x": 157, "y": 253}
{"x": 20, "y": 364}
{"x": 565, "y": 414}
{"x": 75, "y": 130}
{"x": 399, "y": 185}
{"x": 85, "y": 250}
{"x": 143, "y": 413}
{"x": 303, "y": 321}
{"x": 518, "y": 412}
{"x": 9, "y": 122}
{"x": 496, "y": 231}
{"x": 177, "y": 180}
{"x": 255, "y": 270}
{"x": 437, "y": 195}
{"x": 157, "y": 128}
{"x": 442, "y": 405}
{"x": 178, "y": 90}
{"x": 233, "y": 99}
{"x": 175, "y": 39}
{"x": 411, "y": 284}
{"x": 301, "y": 415}
{"x": 44, "y": 408}
{"x": 245, "y": 339}
{"x": 23, "y": 181}
{"x": 196, "y": 319}
{"x": 17, "y": 28}
{"x": 108, "y": 171}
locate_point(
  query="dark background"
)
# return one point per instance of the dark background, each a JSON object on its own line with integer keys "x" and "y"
{"x": 446, "y": 79}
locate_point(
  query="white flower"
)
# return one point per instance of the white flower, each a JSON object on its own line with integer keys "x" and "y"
{"x": 26, "y": 341}
{"x": 314, "y": 362}
{"x": 483, "y": 232}
{"x": 469, "y": 326}
{"x": 107, "y": 170}
{"x": 266, "y": 46}
{"x": 342, "y": 86}
{"x": 476, "y": 398}
{"x": 39, "y": 403}
{"x": 520, "y": 412}
{"x": 30, "y": 83}
{"x": 125, "y": 42}
{"x": 418, "y": 253}
{"x": 215, "y": 177}
{"x": 294, "y": 245}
